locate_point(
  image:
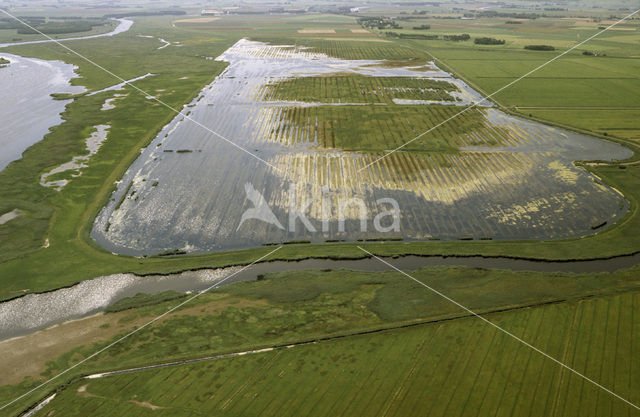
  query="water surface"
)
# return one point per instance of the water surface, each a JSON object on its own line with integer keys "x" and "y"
{"x": 28, "y": 110}
{"x": 512, "y": 179}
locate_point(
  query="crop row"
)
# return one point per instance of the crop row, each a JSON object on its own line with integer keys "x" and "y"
{"x": 445, "y": 178}
{"x": 364, "y": 50}
{"x": 480, "y": 194}
{"x": 458, "y": 368}
{"x": 381, "y": 127}
{"x": 358, "y": 89}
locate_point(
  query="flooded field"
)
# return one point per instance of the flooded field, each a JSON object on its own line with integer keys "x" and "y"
{"x": 485, "y": 175}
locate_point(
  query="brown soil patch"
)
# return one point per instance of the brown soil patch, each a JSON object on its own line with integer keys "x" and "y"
{"x": 197, "y": 20}
{"x": 27, "y": 355}
{"x": 82, "y": 391}
{"x": 146, "y": 404}
{"x": 316, "y": 31}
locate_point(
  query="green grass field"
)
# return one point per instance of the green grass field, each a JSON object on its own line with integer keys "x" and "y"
{"x": 13, "y": 31}
{"x": 379, "y": 128}
{"x": 573, "y": 90}
{"x": 451, "y": 355}
{"x": 459, "y": 368}
{"x": 359, "y": 89}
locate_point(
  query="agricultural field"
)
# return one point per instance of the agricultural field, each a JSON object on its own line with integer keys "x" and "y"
{"x": 325, "y": 143}
{"x": 360, "y": 89}
{"x": 455, "y": 368}
{"x": 592, "y": 92}
{"x": 345, "y": 311}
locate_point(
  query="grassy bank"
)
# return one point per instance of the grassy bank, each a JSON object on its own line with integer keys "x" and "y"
{"x": 291, "y": 307}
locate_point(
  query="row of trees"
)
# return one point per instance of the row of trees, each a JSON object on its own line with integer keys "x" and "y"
{"x": 488, "y": 41}
{"x": 511, "y": 15}
{"x": 378, "y": 23}
{"x": 411, "y": 36}
{"x": 589, "y": 53}
{"x": 455, "y": 38}
{"x": 540, "y": 47}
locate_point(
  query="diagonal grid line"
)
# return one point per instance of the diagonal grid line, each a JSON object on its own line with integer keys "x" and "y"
{"x": 147, "y": 324}
{"x": 501, "y": 329}
{"x": 497, "y": 91}
{"x": 178, "y": 112}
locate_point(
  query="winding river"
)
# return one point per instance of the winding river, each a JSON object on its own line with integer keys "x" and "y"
{"x": 29, "y": 110}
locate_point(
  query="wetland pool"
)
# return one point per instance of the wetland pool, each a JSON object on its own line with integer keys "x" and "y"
{"x": 29, "y": 110}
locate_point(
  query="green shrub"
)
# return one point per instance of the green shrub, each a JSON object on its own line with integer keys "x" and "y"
{"x": 540, "y": 47}
{"x": 488, "y": 41}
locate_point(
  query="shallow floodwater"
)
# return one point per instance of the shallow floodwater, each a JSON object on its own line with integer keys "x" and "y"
{"x": 32, "y": 312}
{"x": 92, "y": 143}
{"x": 28, "y": 110}
{"x": 513, "y": 179}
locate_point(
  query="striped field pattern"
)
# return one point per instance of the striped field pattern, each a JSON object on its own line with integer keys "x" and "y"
{"x": 455, "y": 368}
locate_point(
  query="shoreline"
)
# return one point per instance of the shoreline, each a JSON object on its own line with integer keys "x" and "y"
{"x": 96, "y": 296}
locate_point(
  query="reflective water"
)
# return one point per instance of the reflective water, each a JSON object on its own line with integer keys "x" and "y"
{"x": 513, "y": 179}
{"x": 36, "y": 311}
{"x": 28, "y": 110}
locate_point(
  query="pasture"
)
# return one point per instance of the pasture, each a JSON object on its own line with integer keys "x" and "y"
{"x": 458, "y": 368}
{"x": 458, "y": 363}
